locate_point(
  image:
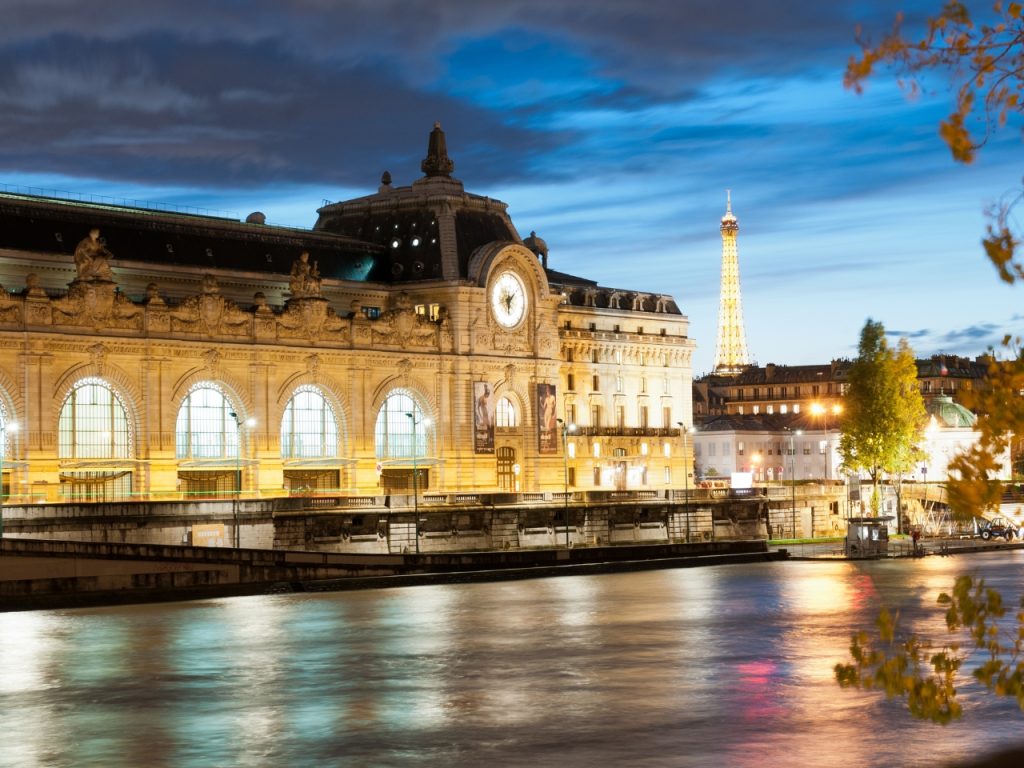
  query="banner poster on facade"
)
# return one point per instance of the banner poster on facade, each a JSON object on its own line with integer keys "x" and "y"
{"x": 483, "y": 418}
{"x": 547, "y": 423}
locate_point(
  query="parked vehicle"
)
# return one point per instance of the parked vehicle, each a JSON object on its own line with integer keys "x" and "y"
{"x": 997, "y": 527}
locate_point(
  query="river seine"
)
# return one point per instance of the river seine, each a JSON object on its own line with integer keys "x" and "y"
{"x": 718, "y": 666}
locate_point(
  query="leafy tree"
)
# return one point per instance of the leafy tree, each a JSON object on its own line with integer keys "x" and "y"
{"x": 985, "y": 64}
{"x": 883, "y": 410}
{"x": 909, "y": 668}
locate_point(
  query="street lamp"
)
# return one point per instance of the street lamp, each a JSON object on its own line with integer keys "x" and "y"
{"x": 686, "y": 480}
{"x": 4, "y": 428}
{"x": 249, "y": 422}
{"x": 817, "y": 409}
{"x": 792, "y": 471}
{"x": 566, "y": 429}
{"x": 415, "y": 471}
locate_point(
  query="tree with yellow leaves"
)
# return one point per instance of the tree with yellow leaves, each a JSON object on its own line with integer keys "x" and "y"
{"x": 985, "y": 63}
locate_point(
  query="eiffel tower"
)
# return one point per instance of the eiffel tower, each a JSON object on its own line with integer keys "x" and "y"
{"x": 731, "y": 349}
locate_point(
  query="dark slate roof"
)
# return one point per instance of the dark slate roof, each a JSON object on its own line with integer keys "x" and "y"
{"x": 404, "y": 223}
{"x": 48, "y": 225}
{"x": 762, "y": 422}
{"x": 954, "y": 367}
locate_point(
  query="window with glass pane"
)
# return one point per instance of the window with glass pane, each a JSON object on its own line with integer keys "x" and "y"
{"x": 93, "y": 423}
{"x": 394, "y": 430}
{"x": 505, "y": 413}
{"x": 206, "y": 429}
{"x": 3, "y": 432}
{"x": 309, "y": 429}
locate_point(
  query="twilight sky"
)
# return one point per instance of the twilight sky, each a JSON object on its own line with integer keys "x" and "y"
{"x": 611, "y": 127}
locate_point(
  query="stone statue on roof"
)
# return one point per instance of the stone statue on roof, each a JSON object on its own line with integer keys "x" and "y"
{"x": 304, "y": 281}
{"x": 92, "y": 259}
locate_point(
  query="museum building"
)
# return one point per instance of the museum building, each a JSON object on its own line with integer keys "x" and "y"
{"x": 411, "y": 336}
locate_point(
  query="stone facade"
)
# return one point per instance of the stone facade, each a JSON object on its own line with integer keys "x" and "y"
{"x": 152, "y": 307}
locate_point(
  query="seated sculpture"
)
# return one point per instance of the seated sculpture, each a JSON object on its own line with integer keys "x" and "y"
{"x": 92, "y": 259}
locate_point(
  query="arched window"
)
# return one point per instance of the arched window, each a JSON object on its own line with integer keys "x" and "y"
{"x": 4, "y": 437}
{"x": 206, "y": 427}
{"x": 505, "y": 414}
{"x": 93, "y": 423}
{"x": 309, "y": 429}
{"x": 393, "y": 435}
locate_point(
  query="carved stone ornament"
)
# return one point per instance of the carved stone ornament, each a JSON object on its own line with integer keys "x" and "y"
{"x": 210, "y": 313}
{"x": 304, "y": 281}
{"x": 34, "y": 286}
{"x": 92, "y": 259}
{"x": 9, "y": 308}
{"x": 211, "y": 359}
{"x": 313, "y": 364}
{"x": 96, "y": 303}
{"x": 153, "y": 298}
{"x": 98, "y": 357}
{"x": 402, "y": 327}
{"x": 312, "y": 318}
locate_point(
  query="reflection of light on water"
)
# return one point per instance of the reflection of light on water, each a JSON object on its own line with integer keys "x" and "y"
{"x": 825, "y": 589}
{"x": 757, "y": 682}
{"x": 725, "y": 666}
{"x": 576, "y": 606}
{"x": 28, "y": 643}
{"x": 26, "y": 638}
{"x": 254, "y": 632}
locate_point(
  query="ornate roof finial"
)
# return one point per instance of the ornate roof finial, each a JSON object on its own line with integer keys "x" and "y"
{"x": 437, "y": 162}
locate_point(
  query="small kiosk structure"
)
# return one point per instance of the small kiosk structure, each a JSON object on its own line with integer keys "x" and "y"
{"x": 867, "y": 536}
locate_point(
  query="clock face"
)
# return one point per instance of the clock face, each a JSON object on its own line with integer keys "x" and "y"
{"x": 508, "y": 299}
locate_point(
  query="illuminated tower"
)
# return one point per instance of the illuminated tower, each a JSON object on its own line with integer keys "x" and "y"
{"x": 731, "y": 350}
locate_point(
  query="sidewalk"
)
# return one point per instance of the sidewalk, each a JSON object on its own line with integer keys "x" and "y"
{"x": 832, "y": 549}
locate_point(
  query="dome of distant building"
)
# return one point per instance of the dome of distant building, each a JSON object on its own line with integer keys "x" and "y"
{"x": 950, "y": 414}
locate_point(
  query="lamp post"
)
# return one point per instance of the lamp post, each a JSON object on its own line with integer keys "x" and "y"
{"x": 817, "y": 409}
{"x": 415, "y": 472}
{"x": 566, "y": 429}
{"x": 249, "y": 422}
{"x": 792, "y": 473}
{"x": 686, "y": 481}
{"x": 4, "y": 429}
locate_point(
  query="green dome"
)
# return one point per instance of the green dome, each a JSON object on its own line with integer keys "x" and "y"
{"x": 950, "y": 414}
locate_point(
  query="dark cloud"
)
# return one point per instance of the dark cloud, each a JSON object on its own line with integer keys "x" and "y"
{"x": 974, "y": 333}
{"x": 333, "y": 93}
{"x": 921, "y": 333}
{"x": 220, "y": 114}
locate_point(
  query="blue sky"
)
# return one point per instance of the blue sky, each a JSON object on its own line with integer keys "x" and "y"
{"x": 612, "y": 128}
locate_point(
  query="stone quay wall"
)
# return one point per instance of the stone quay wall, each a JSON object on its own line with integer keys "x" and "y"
{"x": 400, "y": 524}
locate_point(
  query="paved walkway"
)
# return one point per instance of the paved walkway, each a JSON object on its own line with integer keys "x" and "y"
{"x": 833, "y": 549}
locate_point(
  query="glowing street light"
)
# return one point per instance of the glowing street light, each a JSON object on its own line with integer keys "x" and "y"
{"x": 566, "y": 429}
{"x": 686, "y": 478}
{"x": 250, "y": 423}
{"x": 792, "y": 471}
{"x": 819, "y": 410}
{"x": 425, "y": 421}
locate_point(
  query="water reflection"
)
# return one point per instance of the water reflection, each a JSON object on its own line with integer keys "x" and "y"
{"x": 722, "y": 666}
